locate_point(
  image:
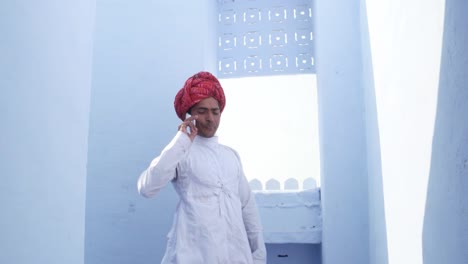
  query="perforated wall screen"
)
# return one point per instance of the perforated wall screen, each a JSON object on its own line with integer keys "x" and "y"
{"x": 265, "y": 37}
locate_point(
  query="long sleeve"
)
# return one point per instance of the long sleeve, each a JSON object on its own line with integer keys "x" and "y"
{"x": 252, "y": 222}
{"x": 163, "y": 168}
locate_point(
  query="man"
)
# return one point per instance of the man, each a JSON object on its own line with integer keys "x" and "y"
{"x": 216, "y": 220}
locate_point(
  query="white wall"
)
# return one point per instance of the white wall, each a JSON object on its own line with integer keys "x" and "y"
{"x": 378, "y": 252}
{"x": 405, "y": 48}
{"x": 45, "y": 82}
{"x": 144, "y": 52}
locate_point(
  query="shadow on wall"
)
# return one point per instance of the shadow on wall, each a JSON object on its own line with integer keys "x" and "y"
{"x": 445, "y": 231}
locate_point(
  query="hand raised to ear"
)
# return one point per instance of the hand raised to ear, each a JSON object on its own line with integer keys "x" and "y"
{"x": 192, "y": 130}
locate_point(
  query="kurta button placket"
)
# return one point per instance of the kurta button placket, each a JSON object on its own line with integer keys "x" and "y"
{"x": 221, "y": 191}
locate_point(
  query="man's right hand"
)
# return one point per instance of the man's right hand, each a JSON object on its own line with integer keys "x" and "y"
{"x": 192, "y": 132}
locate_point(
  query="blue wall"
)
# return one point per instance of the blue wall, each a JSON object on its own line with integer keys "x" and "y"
{"x": 45, "y": 83}
{"x": 294, "y": 253}
{"x": 445, "y": 232}
{"x": 342, "y": 133}
{"x": 144, "y": 52}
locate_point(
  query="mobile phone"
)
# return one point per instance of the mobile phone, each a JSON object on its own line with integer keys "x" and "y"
{"x": 187, "y": 115}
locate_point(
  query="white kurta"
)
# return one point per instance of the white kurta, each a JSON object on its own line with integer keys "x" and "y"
{"x": 216, "y": 220}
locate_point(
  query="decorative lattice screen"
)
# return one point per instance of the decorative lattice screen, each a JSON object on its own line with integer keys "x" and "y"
{"x": 265, "y": 37}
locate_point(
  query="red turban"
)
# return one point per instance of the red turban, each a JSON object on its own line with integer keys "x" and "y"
{"x": 198, "y": 87}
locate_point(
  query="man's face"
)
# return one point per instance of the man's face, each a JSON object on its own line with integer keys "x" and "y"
{"x": 209, "y": 116}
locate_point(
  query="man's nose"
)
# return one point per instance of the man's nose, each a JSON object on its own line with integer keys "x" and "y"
{"x": 209, "y": 116}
